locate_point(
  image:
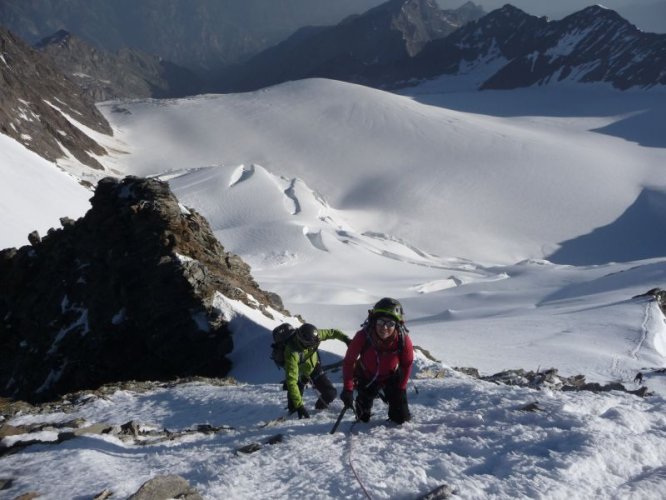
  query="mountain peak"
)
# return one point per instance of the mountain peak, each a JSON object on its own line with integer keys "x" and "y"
{"x": 508, "y": 9}
{"x": 595, "y": 12}
{"x": 508, "y": 14}
{"x": 60, "y": 37}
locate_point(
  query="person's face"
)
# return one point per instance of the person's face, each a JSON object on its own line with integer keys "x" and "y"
{"x": 385, "y": 327}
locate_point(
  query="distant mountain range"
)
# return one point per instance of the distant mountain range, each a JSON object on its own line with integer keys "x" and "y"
{"x": 198, "y": 34}
{"x": 592, "y": 45}
{"x": 404, "y": 42}
{"x": 393, "y": 45}
{"x": 387, "y": 35}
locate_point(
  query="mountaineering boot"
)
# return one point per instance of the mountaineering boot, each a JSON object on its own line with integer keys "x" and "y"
{"x": 362, "y": 412}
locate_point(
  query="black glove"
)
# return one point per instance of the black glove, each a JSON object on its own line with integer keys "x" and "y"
{"x": 347, "y": 398}
{"x": 302, "y": 412}
{"x": 347, "y": 341}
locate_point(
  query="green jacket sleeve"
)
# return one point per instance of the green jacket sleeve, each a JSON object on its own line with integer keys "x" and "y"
{"x": 332, "y": 334}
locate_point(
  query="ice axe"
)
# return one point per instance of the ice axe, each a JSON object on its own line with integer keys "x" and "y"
{"x": 337, "y": 422}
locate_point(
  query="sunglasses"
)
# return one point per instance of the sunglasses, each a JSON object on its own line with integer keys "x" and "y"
{"x": 389, "y": 323}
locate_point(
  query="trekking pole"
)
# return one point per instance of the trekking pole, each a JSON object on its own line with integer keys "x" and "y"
{"x": 337, "y": 422}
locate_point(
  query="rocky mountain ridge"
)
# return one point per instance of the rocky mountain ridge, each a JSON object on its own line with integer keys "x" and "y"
{"x": 197, "y": 34}
{"x": 131, "y": 291}
{"x": 514, "y": 49}
{"x": 592, "y": 45}
{"x": 40, "y": 107}
{"x": 125, "y": 73}
{"x": 353, "y": 50}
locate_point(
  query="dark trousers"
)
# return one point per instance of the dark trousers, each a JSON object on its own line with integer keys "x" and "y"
{"x": 393, "y": 395}
{"x": 322, "y": 384}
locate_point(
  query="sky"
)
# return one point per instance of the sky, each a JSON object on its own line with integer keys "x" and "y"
{"x": 338, "y": 195}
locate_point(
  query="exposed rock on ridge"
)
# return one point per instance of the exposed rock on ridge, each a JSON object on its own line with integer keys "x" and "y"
{"x": 131, "y": 291}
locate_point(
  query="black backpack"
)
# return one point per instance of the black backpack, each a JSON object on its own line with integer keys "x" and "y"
{"x": 281, "y": 336}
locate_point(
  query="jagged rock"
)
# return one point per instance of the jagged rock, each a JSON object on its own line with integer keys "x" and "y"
{"x": 442, "y": 492}
{"x": 28, "y": 496}
{"x": 130, "y": 428}
{"x": 162, "y": 487}
{"x": 254, "y": 447}
{"x": 103, "y": 495}
{"x": 249, "y": 448}
{"x": 93, "y": 429}
{"x": 6, "y": 483}
{"x": 472, "y": 372}
{"x": 34, "y": 238}
{"x": 128, "y": 292}
{"x": 531, "y": 407}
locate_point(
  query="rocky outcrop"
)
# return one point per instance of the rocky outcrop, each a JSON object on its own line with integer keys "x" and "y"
{"x": 658, "y": 295}
{"x": 39, "y": 106}
{"x": 169, "y": 486}
{"x": 130, "y": 291}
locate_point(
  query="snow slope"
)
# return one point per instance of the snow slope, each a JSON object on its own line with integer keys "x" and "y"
{"x": 503, "y": 188}
{"x": 517, "y": 229}
{"x": 34, "y": 194}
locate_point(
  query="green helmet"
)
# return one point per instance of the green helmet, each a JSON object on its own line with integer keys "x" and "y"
{"x": 388, "y": 307}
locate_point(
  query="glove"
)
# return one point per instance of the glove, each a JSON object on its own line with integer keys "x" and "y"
{"x": 347, "y": 398}
{"x": 302, "y": 412}
{"x": 347, "y": 341}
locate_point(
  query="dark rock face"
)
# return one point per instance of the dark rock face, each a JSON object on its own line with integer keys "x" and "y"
{"x": 126, "y": 73}
{"x": 34, "y": 100}
{"x": 125, "y": 293}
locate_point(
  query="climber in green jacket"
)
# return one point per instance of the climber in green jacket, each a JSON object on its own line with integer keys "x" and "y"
{"x": 302, "y": 366}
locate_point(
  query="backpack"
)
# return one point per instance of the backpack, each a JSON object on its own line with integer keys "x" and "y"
{"x": 281, "y": 336}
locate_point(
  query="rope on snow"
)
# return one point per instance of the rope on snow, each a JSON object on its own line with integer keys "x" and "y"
{"x": 351, "y": 460}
